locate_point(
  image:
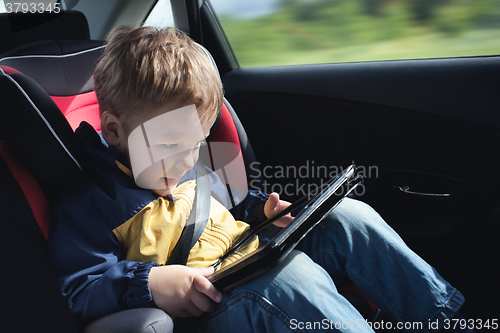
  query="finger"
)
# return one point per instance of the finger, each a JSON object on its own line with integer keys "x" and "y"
{"x": 184, "y": 309}
{"x": 202, "y": 302}
{"x": 283, "y": 204}
{"x": 205, "y": 271}
{"x": 284, "y": 221}
{"x": 274, "y": 198}
{"x": 203, "y": 285}
{"x": 190, "y": 310}
{"x": 271, "y": 204}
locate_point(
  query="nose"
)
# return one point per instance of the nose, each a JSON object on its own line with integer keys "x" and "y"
{"x": 186, "y": 160}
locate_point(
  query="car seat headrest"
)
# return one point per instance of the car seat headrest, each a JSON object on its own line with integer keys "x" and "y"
{"x": 66, "y": 77}
{"x": 58, "y": 74}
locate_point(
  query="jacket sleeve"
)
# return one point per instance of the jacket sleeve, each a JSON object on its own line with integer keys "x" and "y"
{"x": 251, "y": 209}
{"x": 86, "y": 259}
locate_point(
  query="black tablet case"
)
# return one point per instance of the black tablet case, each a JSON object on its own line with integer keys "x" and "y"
{"x": 278, "y": 247}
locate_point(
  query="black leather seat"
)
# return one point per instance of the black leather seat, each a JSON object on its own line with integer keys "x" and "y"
{"x": 19, "y": 29}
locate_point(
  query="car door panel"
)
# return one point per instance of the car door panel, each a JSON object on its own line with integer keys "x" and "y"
{"x": 413, "y": 127}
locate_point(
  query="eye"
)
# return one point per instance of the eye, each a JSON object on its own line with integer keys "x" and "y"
{"x": 170, "y": 145}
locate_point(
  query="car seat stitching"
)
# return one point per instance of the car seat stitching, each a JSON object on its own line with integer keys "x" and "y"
{"x": 52, "y": 55}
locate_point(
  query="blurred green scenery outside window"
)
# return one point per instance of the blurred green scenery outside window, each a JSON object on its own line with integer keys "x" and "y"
{"x": 289, "y": 32}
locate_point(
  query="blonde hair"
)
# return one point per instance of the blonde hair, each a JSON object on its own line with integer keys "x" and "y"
{"x": 143, "y": 69}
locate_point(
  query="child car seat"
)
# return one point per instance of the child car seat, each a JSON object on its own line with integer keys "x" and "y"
{"x": 40, "y": 135}
{"x": 43, "y": 103}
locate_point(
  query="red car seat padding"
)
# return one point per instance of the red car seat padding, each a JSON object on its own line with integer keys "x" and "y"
{"x": 9, "y": 70}
{"x": 78, "y": 108}
{"x": 32, "y": 191}
{"x": 225, "y": 130}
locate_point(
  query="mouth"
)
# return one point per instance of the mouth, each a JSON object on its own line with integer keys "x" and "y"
{"x": 170, "y": 181}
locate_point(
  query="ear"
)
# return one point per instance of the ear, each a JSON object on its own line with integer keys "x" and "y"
{"x": 111, "y": 128}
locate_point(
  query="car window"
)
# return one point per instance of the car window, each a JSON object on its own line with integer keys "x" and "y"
{"x": 285, "y": 32}
{"x": 161, "y": 15}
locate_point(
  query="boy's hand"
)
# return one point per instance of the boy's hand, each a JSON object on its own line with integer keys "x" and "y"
{"x": 273, "y": 206}
{"x": 182, "y": 291}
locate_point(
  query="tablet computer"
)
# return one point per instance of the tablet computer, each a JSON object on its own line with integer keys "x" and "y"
{"x": 272, "y": 250}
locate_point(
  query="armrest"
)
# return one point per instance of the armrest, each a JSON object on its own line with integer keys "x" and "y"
{"x": 143, "y": 320}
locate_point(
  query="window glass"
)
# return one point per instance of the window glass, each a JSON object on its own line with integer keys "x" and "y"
{"x": 161, "y": 15}
{"x": 284, "y": 32}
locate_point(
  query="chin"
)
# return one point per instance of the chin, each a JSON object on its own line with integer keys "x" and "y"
{"x": 162, "y": 192}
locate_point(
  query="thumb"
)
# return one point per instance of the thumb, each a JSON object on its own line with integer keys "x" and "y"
{"x": 205, "y": 287}
{"x": 271, "y": 205}
{"x": 205, "y": 271}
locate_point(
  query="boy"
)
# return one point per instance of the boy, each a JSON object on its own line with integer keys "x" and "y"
{"x": 116, "y": 227}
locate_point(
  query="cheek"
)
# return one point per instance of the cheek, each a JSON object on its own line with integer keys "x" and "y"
{"x": 149, "y": 177}
{"x": 182, "y": 160}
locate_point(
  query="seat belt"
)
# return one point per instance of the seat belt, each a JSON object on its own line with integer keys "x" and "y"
{"x": 197, "y": 220}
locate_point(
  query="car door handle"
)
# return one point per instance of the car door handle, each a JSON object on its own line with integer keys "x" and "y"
{"x": 424, "y": 187}
{"x": 406, "y": 189}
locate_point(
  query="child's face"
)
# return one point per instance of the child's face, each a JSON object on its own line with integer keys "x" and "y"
{"x": 163, "y": 148}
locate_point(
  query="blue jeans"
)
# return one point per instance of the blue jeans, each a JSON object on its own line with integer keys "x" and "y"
{"x": 299, "y": 295}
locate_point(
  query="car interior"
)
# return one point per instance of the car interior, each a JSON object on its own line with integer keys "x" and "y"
{"x": 425, "y": 133}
